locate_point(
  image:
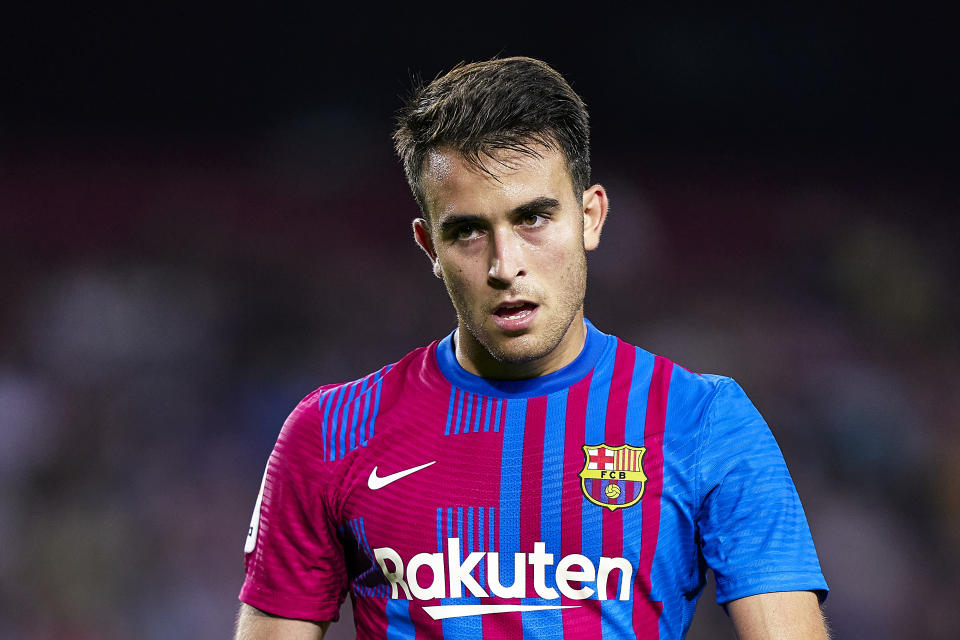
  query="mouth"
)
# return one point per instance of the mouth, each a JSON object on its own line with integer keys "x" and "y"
{"x": 515, "y": 316}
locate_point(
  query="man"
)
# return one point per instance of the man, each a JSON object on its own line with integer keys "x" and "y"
{"x": 527, "y": 475}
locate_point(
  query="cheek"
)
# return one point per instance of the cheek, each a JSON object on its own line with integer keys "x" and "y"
{"x": 560, "y": 255}
{"x": 460, "y": 285}
{"x": 563, "y": 269}
{"x": 457, "y": 273}
{"x": 465, "y": 265}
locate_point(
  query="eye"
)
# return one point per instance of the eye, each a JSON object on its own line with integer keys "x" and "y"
{"x": 467, "y": 232}
{"x": 532, "y": 220}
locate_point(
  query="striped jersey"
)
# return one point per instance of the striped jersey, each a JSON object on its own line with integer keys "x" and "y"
{"x": 587, "y": 503}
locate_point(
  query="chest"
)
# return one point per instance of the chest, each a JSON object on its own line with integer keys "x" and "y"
{"x": 511, "y": 497}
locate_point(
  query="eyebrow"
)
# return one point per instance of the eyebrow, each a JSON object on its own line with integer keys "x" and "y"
{"x": 540, "y": 203}
{"x": 447, "y": 224}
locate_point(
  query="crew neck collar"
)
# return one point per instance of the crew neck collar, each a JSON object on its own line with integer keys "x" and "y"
{"x": 593, "y": 347}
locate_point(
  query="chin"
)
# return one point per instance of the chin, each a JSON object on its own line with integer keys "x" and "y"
{"x": 518, "y": 350}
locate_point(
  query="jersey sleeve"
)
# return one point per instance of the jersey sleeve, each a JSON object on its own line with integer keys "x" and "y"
{"x": 294, "y": 558}
{"x": 753, "y": 531}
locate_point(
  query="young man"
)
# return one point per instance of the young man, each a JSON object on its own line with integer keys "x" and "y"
{"x": 528, "y": 475}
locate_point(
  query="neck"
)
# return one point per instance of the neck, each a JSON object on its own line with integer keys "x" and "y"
{"x": 474, "y": 357}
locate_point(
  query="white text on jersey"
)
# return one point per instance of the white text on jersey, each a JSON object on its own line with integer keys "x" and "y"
{"x": 450, "y": 570}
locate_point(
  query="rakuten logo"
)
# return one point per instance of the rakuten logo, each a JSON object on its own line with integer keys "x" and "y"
{"x": 449, "y": 574}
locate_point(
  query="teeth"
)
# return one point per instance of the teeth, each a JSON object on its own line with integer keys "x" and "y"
{"x": 518, "y": 315}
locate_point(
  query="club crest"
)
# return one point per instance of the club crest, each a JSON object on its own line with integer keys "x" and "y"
{"x": 613, "y": 477}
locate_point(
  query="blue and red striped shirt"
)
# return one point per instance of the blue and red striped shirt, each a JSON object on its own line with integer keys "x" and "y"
{"x": 585, "y": 503}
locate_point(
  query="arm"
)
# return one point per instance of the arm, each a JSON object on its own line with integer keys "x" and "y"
{"x": 253, "y": 624}
{"x": 295, "y": 567}
{"x": 753, "y": 530}
{"x": 783, "y": 615}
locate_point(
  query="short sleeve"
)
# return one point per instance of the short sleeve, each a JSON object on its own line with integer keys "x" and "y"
{"x": 294, "y": 559}
{"x": 753, "y": 530}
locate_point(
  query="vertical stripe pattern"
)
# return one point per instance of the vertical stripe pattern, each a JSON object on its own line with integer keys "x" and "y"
{"x": 646, "y": 612}
{"x": 580, "y": 622}
{"x": 513, "y": 417}
{"x": 399, "y": 624}
{"x": 616, "y": 614}
{"x": 472, "y": 413}
{"x": 348, "y": 413}
{"x": 359, "y": 588}
{"x": 538, "y": 503}
{"x": 594, "y": 432}
{"x": 475, "y": 528}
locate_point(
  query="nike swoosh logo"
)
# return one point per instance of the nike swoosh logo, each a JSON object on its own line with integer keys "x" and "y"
{"x": 379, "y": 482}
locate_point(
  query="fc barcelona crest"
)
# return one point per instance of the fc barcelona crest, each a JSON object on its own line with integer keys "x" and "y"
{"x": 613, "y": 477}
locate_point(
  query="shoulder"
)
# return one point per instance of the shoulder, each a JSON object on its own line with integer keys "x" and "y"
{"x": 350, "y": 405}
{"x": 390, "y": 374}
{"x": 721, "y": 403}
{"x": 685, "y": 385}
{"x": 696, "y": 403}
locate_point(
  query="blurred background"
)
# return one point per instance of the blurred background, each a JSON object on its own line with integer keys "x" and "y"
{"x": 201, "y": 220}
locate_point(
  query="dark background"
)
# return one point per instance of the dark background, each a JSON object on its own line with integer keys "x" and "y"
{"x": 201, "y": 220}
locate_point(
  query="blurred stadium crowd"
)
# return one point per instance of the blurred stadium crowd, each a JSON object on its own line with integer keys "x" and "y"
{"x": 201, "y": 221}
{"x": 164, "y": 308}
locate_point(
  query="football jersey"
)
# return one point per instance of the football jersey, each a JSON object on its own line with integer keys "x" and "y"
{"x": 587, "y": 503}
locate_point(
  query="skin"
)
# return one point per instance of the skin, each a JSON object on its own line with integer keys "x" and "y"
{"x": 783, "y": 615}
{"x": 522, "y": 234}
{"x": 253, "y": 624}
{"x": 518, "y": 234}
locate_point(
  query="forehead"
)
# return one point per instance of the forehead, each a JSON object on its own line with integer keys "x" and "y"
{"x": 452, "y": 184}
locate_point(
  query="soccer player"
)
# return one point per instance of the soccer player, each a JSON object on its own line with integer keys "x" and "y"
{"x": 527, "y": 475}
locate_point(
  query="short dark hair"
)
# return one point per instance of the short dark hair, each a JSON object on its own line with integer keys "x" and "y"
{"x": 500, "y": 104}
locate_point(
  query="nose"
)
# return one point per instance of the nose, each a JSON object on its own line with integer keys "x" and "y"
{"x": 506, "y": 258}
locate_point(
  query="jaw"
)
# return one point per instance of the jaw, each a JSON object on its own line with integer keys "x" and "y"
{"x": 497, "y": 354}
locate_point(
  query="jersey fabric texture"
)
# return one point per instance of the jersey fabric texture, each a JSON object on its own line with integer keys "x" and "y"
{"x": 587, "y": 503}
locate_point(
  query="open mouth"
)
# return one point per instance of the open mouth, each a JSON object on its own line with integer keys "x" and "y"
{"x": 515, "y": 316}
{"x": 515, "y": 310}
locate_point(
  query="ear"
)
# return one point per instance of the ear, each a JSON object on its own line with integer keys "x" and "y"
{"x": 423, "y": 237}
{"x": 595, "y": 206}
